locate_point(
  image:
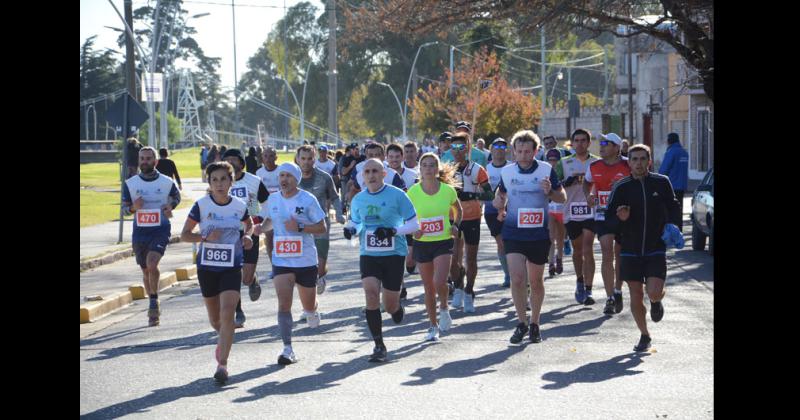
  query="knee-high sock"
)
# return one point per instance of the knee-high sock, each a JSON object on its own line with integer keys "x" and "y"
{"x": 285, "y": 325}
{"x": 375, "y": 322}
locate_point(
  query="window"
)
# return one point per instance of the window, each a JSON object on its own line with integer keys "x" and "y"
{"x": 702, "y": 139}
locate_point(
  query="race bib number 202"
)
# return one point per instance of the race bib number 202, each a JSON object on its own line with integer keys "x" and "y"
{"x": 530, "y": 218}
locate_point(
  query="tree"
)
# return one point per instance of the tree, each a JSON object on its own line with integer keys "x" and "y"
{"x": 101, "y": 74}
{"x": 174, "y": 129}
{"x": 685, "y": 25}
{"x": 479, "y": 84}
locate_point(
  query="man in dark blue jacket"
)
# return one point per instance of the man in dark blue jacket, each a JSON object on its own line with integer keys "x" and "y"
{"x": 676, "y": 166}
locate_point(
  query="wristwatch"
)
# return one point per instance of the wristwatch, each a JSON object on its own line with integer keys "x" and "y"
{"x": 300, "y": 227}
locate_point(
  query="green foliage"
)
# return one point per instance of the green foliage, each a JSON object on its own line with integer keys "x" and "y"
{"x": 174, "y": 130}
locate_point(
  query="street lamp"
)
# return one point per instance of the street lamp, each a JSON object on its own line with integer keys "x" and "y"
{"x": 296, "y": 102}
{"x": 559, "y": 76}
{"x": 408, "y": 85}
{"x": 402, "y": 115}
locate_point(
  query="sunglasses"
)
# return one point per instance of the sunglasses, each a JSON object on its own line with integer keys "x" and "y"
{"x": 606, "y": 142}
{"x": 458, "y": 146}
{"x": 499, "y": 146}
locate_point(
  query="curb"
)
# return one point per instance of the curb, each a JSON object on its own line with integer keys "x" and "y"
{"x": 91, "y": 311}
{"x": 116, "y": 256}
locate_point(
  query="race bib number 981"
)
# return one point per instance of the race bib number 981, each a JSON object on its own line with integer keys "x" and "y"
{"x": 580, "y": 209}
{"x": 148, "y": 217}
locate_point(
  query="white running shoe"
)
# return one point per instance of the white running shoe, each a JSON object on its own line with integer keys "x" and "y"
{"x": 287, "y": 357}
{"x": 469, "y": 303}
{"x": 445, "y": 322}
{"x": 313, "y": 318}
{"x": 433, "y": 334}
{"x": 458, "y": 299}
{"x": 321, "y": 283}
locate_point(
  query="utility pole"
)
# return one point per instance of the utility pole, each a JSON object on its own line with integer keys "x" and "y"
{"x": 543, "y": 93}
{"x": 285, "y": 74}
{"x": 450, "y": 91}
{"x": 333, "y": 123}
{"x": 235, "y": 73}
{"x": 630, "y": 87}
{"x": 130, "y": 73}
{"x": 605, "y": 74}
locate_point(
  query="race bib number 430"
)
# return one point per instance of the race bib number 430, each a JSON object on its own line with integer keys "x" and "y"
{"x": 288, "y": 246}
{"x": 148, "y": 217}
{"x": 530, "y": 218}
{"x": 217, "y": 255}
{"x": 432, "y": 226}
{"x": 378, "y": 245}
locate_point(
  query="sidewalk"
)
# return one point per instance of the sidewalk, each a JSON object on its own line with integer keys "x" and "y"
{"x": 102, "y": 239}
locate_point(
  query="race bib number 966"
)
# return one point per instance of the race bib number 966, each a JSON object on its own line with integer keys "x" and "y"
{"x": 217, "y": 255}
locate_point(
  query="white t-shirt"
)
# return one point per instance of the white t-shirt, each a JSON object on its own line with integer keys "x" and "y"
{"x": 293, "y": 249}
{"x": 269, "y": 178}
{"x": 326, "y": 166}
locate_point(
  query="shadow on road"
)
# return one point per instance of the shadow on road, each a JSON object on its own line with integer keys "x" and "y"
{"x": 596, "y": 372}
{"x": 463, "y": 368}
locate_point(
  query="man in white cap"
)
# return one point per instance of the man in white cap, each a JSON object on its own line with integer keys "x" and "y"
{"x": 599, "y": 182}
{"x": 295, "y": 216}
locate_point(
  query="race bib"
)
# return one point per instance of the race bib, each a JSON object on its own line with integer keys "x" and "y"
{"x": 603, "y": 198}
{"x": 379, "y": 245}
{"x": 239, "y": 192}
{"x": 530, "y": 218}
{"x": 432, "y": 226}
{"x": 580, "y": 209}
{"x": 555, "y": 208}
{"x": 217, "y": 255}
{"x": 288, "y": 246}
{"x": 148, "y": 217}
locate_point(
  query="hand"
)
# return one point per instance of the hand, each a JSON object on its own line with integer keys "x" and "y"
{"x": 340, "y": 219}
{"x": 590, "y": 200}
{"x": 214, "y": 235}
{"x": 167, "y": 210}
{"x": 137, "y": 204}
{"x": 546, "y": 186}
{"x": 257, "y": 229}
{"x": 349, "y": 232}
{"x": 247, "y": 242}
{"x": 417, "y": 234}
{"x": 383, "y": 232}
{"x": 623, "y": 213}
{"x": 569, "y": 181}
{"x": 501, "y": 215}
{"x": 291, "y": 225}
{"x": 454, "y": 231}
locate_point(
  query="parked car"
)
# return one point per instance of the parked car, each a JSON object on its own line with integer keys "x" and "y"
{"x": 703, "y": 214}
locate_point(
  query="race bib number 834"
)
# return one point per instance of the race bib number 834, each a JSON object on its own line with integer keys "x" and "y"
{"x": 378, "y": 245}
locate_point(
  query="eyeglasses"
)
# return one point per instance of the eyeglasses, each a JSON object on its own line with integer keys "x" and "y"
{"x": 499, "y": 146}
{"x": 458, "y": 146}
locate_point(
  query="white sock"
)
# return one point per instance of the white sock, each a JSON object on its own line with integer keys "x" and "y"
{"x": 617, "y": 292}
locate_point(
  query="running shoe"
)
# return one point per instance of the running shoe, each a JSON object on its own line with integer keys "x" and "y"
{"x": 535, "y": 336}
{"x": 433, "y": 334}
{"x": 378, "y": 354}
{"x": 221, "y": 376}
{"x": 321, "y": 283}
{"x": 644, "y": 343}
{"x": 287, "y": 357}
{"x": 458, "y": 299}
{"x": 238, "y": 320}
{"x": 445, "y": 321}
{"x": 617, "y": 302}
{"x": 469, "y": 302}
{"x": 519, "y": 333}
{"x": 255, "y": 290}
{"x": 656, "y": 311}
{"x": 609, "y": 308}
{"x": 580, "y": 292}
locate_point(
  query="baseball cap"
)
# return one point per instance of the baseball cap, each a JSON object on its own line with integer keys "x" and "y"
{"x": 612, "y": 137}
{"x": 234, "y": 152}
{"x": 446, "y": 135}
{"x": 291, "y": 168}
{"x": 323, "y": 148}
{"x": 464, "y": 125}
{"x": 552, "y": 154}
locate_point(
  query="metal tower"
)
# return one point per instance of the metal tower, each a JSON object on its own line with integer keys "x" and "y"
{"x": 188, "y": 109}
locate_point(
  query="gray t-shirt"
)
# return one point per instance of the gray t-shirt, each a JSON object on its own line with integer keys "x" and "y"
{"x": 320, "y": 185}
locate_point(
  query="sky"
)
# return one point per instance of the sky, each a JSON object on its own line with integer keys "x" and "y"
{"x": 214, "y": 32}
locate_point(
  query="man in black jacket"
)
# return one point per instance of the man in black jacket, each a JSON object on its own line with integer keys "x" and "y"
{"x": 639, "y": 207}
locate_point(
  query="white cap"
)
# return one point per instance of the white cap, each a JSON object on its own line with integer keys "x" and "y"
{"x": 612, "y": 137}
{"x": 291, "y": 168}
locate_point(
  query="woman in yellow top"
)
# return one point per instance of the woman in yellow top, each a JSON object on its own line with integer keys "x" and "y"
{"x": 433, "y": 199}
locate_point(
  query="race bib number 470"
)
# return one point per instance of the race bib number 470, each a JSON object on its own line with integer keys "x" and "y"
{"x": 288, "y": 246}
{"x": 432, "y": 226}
{"x": 378, "y": 245}
{"x": 148, "y": 217}
{"x": 530, "y": 218}
{"x": 217, "y": 255}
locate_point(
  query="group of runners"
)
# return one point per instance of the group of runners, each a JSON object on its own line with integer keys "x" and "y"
{"x": 412, "y": 214}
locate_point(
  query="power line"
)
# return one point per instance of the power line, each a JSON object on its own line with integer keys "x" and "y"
{"x": 228, "y": 5}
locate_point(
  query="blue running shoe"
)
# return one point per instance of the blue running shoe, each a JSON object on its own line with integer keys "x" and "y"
{"x": 567, "y": 248}
{"x": 580, "y": 292}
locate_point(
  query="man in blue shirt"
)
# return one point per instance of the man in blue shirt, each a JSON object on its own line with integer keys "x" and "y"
{"x": 675, "y": 165}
